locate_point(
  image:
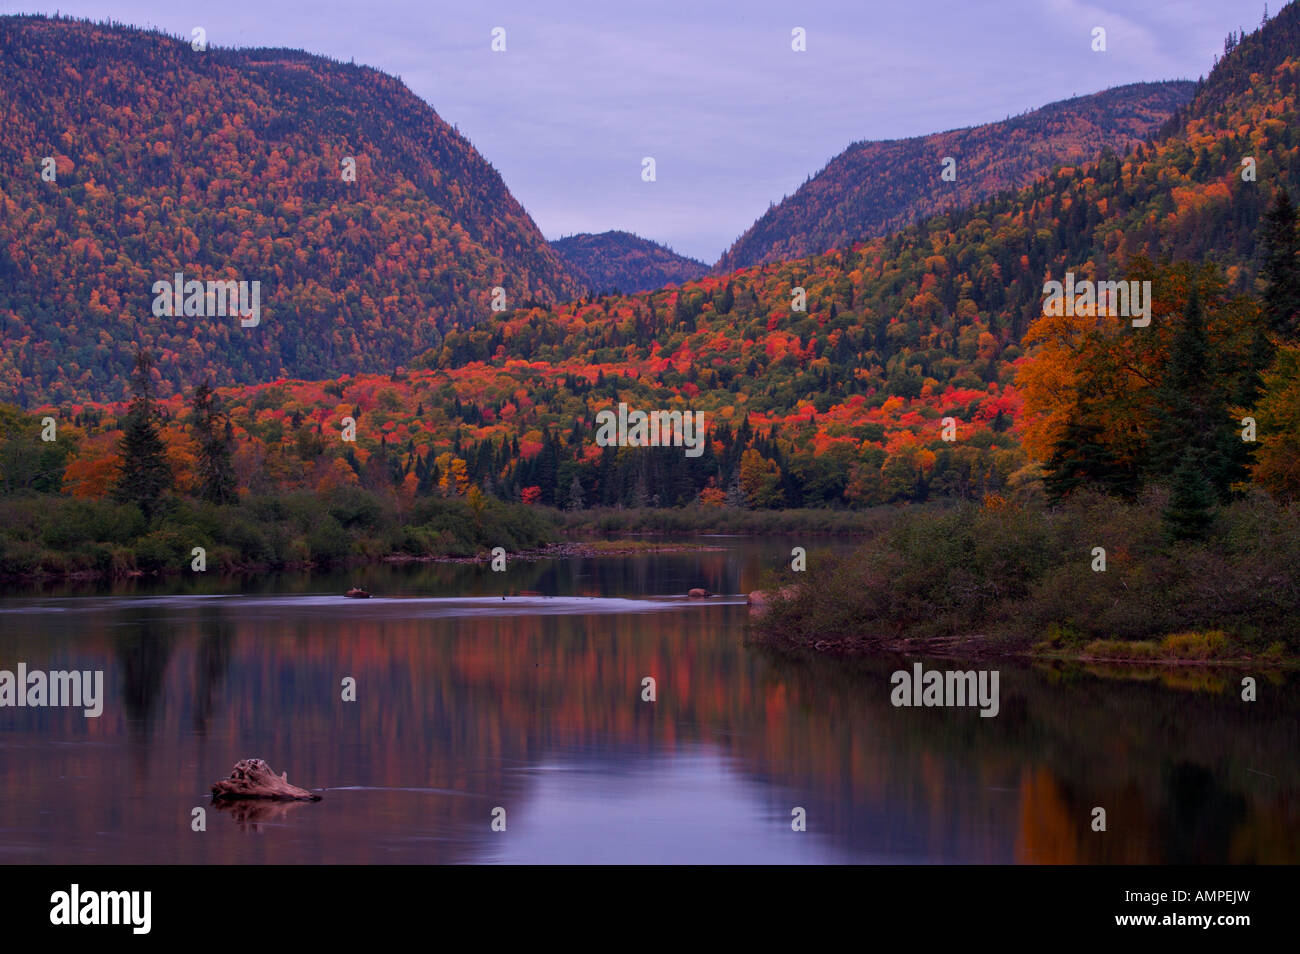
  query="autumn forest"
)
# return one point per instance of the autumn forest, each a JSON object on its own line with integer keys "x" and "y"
{"x": 422, "y": 345}
{"x": 473, "y": 456}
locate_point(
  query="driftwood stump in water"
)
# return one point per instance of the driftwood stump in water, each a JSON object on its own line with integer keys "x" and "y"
{"x": 253, "y": 778}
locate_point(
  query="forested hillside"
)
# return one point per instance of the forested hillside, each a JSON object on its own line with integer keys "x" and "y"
{"x": 623, "y": 262}
{"x": 874, "y": 188}
{"x": 826, "y": 381}
{"x": 226, "y": 164}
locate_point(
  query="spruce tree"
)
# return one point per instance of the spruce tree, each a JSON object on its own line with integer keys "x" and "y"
{"x": 213, "y": 430}
{"x": 1191, "y": 414}
{"x": 143, "y": 475}
{"x": 735, "y": 494}
{"x": 1281, "y": 268}
{"x": 576, "y": 494}
{"x": 1082, "y": 459}
{"x": 1191, "y": 501}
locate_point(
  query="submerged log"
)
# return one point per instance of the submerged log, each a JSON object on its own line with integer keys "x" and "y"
{"x": 253, "y": 778}
{"x": 357, "y": 594}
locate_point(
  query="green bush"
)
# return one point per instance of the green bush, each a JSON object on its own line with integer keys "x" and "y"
{"x": 19, "y": 557}
{"x": 54, "y": 535}
{"x": 328, "y": 542}
{"x": 354, "y": 507}
{"x": 250, "y": 538}
{"x": 1014, "y": 573}
{"x": 71, "y": 521}
{"x": 161, "y": 551}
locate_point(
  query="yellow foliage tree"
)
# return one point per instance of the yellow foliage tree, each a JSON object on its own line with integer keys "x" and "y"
{"x": 1277, "y": 417}
{"x": 760, "y": 479}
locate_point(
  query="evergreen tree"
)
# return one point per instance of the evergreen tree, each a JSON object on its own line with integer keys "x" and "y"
{"x": 547, "y": 469}
{"x": 1281, "y": 267}
{"x": 640, "y": 495}
{"x": 213, "y": 430}
{"x": 576, "y": 495}
{"x": 1191, "y": 414}
{"x": 425, "y": 475}
{"x": 735, "y": 495}
{"x": 728, "y": 299}
{"x": 1191, "y": 501}
{"x": 1082, "y": 458}
{"x": 144, "y": 475}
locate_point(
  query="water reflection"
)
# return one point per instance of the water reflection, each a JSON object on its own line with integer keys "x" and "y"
{"x": 467, "y": 703}
{"x": 251, "y": 815}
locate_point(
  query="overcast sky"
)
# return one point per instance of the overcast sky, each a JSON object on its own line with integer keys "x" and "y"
{"x": 734, "y": 118}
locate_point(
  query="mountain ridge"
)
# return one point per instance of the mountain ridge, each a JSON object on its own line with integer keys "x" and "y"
{"x": 229, "y": 164}
{"x": 873, "y": 187}
{"x": 825, "y": 381}
{"x": 617, "y": 260}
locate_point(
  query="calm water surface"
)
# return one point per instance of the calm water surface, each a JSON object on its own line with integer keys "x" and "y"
{"x": 467, "y": 702}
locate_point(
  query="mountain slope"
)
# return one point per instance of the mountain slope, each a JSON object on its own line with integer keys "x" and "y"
{"x": 873, "y": 188}
{"x": 840, "y": 404}
{"x": 845, "y": 400}
{"x": 228, "y": 164}
{"x": 621, "y": 261}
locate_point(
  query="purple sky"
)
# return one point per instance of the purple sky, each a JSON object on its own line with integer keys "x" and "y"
{"x": 734, "y": 118}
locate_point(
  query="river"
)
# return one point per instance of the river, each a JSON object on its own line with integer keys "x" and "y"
{"x": 529, "y": 711}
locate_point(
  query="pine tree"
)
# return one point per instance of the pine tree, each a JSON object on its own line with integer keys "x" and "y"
{"x": 144, "y": 475}
{"x": 213, "y": 429}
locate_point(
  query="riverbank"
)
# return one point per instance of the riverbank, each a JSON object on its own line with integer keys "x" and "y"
{"x": 569, "y": 548}
{"x": 53, "y": 538}
{"x": 1089, "y": 581}
{"x": 1176, "y": 650}
{"x": 699, "y": 518}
